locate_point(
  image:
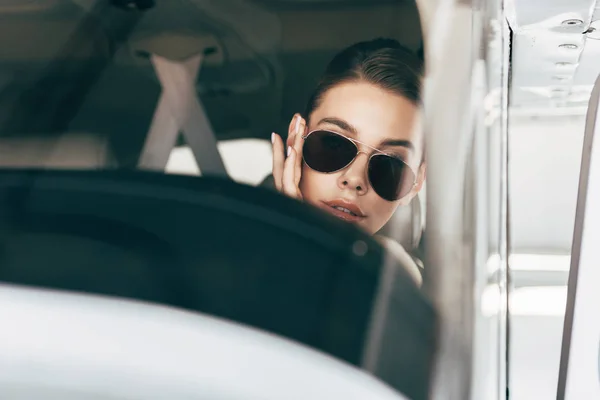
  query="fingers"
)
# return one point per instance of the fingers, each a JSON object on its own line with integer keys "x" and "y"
{"x": 297, "y": 124}
{"x": 278, "y": 160}
{"x": 292, "y": 129}
{"x": 298, "y": 146}
{"x": 290, "y": 183}
{"x": 295, "y": 139}
{"x": 288, "y": 170}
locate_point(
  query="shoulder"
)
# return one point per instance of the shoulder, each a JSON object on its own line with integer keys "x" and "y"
{"x": 398, "y": 251}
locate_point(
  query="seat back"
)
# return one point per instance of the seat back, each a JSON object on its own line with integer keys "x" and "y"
{"x": 221, "y": 248}
{"x": 406, "y": 225}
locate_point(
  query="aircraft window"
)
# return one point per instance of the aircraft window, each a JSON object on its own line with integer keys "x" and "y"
{"x": 235, "y": 63}
{"x": 542, "y": 220}
{"x": 187, "y": 86}
{"x": 547, "y": 128}
{"x": 537, "y": 317}
{"x": 108, "y": 90}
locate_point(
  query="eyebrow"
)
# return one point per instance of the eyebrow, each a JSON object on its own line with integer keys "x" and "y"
{"x": 340, "y": 123}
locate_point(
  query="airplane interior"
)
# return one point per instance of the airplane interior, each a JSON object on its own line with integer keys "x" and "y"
{"x": 146, "y": 253}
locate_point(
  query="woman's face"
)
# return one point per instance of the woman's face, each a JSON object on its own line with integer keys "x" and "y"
{"x": 377, "y": 118}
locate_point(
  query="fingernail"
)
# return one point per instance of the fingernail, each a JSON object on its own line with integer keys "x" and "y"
{"x": 273, "y": 137}
{"x": 289, "y": 150}
{"x": 298, "y": 119}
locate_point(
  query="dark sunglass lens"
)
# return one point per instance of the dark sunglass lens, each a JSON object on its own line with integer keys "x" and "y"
{"x": 328, "y": 152}
{"x": 390, "y": 177}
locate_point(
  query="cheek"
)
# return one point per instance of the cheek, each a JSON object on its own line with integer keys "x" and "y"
{"x": 382, "y": 210}
{"x": 379, "y": 211}
{"x": 314, "y": 185}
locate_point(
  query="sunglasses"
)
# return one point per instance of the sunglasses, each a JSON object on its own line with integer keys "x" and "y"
{"x": 328, "y": 152}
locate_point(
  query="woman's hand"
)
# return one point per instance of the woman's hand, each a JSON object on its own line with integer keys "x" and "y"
{"x": 287, "y": 171}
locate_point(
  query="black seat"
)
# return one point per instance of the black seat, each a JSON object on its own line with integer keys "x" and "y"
{"x": 211, "y": 245}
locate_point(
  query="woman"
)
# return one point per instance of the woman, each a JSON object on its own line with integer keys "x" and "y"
{"x": 358, "y": 151}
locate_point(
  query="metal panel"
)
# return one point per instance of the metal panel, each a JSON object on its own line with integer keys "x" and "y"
{"x": 554, "y": 61}
{"x": 465, "y": 104}
{"x": 579, "y": 375}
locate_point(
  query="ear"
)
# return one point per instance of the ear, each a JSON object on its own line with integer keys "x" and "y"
{"x": 297, "y": 123}
{"x": 421, "y": 175}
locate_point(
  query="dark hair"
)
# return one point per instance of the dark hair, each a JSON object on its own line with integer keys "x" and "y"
{"x": 382, "y": 62}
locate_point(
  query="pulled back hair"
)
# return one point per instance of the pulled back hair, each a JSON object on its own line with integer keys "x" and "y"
{"x": 382, "y": 62}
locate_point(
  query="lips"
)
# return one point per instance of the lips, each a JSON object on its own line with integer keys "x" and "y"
{"x": 344, "y": 210}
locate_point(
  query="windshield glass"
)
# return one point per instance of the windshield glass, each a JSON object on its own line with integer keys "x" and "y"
{"x": 186, "y": 86}
{"x": 197, "y": 87}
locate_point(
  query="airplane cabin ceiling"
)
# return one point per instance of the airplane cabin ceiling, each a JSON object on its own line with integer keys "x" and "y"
{"x": 555, "y": 62}
{"x": 555, "y": 57}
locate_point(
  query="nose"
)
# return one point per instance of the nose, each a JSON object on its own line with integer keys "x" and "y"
{"x": 354, "y": 177}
